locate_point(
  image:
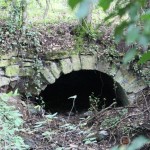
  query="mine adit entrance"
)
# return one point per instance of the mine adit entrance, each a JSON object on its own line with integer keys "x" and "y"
{"x": 82, "y": 84}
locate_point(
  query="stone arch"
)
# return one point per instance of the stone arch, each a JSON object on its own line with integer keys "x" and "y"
{"x": 125, "y": 79}
{"x": 86, "y": 85}
{"x": 13, "y": 68}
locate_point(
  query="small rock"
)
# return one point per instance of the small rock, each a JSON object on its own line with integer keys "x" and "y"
{"x": 36, "y": 110}
{"x": 101, "y": 135}
{"x": 1, "y": 72}
{"x": 30, "y": 143}
{"x": 88, "y": 113}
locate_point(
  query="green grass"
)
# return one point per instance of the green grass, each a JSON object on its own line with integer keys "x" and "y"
{"x": 59, "y": 11}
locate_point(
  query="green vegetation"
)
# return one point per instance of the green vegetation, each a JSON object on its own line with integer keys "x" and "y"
{"x": 134, "y": 24}
{"x": 10, "y": 124}
{"x": 94, "y": 103}
{"x": 42, "y": 11}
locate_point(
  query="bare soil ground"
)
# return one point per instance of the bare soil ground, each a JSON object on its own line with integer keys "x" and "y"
{"x": 88, "y": 130}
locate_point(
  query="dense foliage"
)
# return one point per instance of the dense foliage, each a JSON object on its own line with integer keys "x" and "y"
{"x": 133, "y": 24}
{"x": 10, "y": 124}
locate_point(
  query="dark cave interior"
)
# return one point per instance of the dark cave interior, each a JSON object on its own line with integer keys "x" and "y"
{"x": 82, "y": 83}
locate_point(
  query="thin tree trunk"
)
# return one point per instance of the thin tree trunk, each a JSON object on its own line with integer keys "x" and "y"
{"x": 46, "y": 9}
{"x": 13, "y": 14}
{"x": 88, "y": 19}
{"x": 39, "y": 3}
{"x": 89, "y": 16}
{"x": 24, "y": 15}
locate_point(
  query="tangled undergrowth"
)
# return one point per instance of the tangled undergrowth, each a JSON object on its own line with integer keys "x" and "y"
{"x": 10, "y": 124}
{"x": 87, "y": 130}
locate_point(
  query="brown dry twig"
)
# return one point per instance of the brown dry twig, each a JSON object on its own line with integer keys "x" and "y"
{"x": 102, "y": 111}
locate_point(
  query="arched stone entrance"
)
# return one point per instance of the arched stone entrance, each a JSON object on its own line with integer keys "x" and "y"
{"x": 83, "y": 84}
{"x": 125, "y": 79}
{"x": 14, "y": 68}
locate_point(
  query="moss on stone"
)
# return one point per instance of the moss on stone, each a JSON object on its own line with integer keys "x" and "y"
{"x": 4, "y": 63}
{"x": 4, "y": 81}
{"x": 48, "y": 75}
{"x": 12, "y": 70}
{"x": 58, "y": 55}
{"x": 8, "y": 55}
{"x": 26, "y": 71}
{"x": 66, "y": 65}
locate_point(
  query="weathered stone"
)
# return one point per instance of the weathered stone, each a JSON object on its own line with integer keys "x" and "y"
{"x": 29, "y": 60}
{"x": 103, "y": 66}
{"x": 43, "y": 87}
{"x": 88, "y": 62}
{"x": 76, "y": 64}
{"x": 113, "y": 70}
{"x": 14, "y": 78}
{"x": 12, "y": 70}
{"x": 4, "y": 63}
{"x": 125, "y": 78}
{"x": 129, "y": 82}
{"x": 119, "y": 77}
{"x": 135, "y": 87}
{"x": 129, "y": 79}
{"x": 1, "y": 72}
{"x": 21, "y": 62}
{"x": 26, "y": 71}
{"x": 131, "y": 98}
{"x": 27, "y": 64}
{"x": 66, "y": 65}
{"x": 15, "y": 61}
{"x": 9, "y": 55}
{"x": 10, "y": 66}
{"x": 13, "y": 83}
{"x": 4, "y": 81}
{"x": 57, "y": 55}
{"x": 55, "y": 69}
{"x": 48, "y": 75}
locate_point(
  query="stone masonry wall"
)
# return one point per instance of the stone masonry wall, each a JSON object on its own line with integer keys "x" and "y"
{"x": 21, "y": 70}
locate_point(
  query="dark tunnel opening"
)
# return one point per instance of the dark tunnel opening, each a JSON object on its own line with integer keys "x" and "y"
{"x": 82, "y": 84}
